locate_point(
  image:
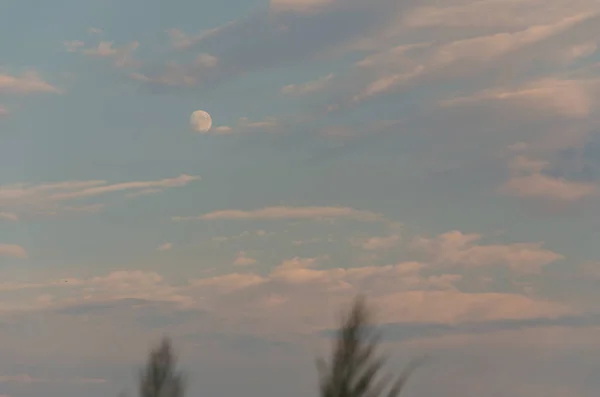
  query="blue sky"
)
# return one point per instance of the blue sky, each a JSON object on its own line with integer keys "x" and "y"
{"x": 441, "y": 157}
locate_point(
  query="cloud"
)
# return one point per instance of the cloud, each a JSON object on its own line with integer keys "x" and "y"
{"x": 294, "y": 298}
{"x": 181, "y": 40}
{"x": 13, "y": 250}
{"x": 455, "y": 249}
{"x": 90, "y": 191}
{"x": 302, "y": 6}
{"x": 529, "y": 181}
{"x": 9, "y": 216}
{"x": 571, "y": 98}
{"x": 47, "y": 198}
{"x": 273, "y": 38}
{"x": 308, "y": 87}
{"x": 73, "y": 45}
{"x": 201, "y": 70}
{"x": 245, "y": 125}
{"x": 27, "y": 83}
{"x": 379, "y": 243}
{"x": 282, "y": 212}
{"x": 164, "y": 247}
{"x": 223, "y": 129}
{"x": 416, "y": 62}
{"x": 297, "y": 288}
{"x": 406, "y": 331}
{"x": 243, "y": 259}
{"x": 123, "y": 56}
{"x": 492, "y": 13}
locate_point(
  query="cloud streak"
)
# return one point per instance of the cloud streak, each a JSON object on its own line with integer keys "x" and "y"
{"x": 286, "y": 212}
{"x": 29, "y": 82}
{"x": 50, "y": 198}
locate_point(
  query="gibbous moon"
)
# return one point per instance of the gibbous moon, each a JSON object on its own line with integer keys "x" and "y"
{"x": 200, "y": 121}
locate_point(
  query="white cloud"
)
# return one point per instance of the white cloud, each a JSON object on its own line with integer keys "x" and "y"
{"x": 243, "y": 259}
{"x": 27, "y": 83}
{"x": 181, "y": 40}
{"x": 267, "y": 123}
{"x": 164, "y": 247}
{"x": 580, "y": 51}
{"x": 493, "y": 13}
{"x": 73, "y": 45}
{"x": 302, "y": 6}
{"x": 13, "y": 250}
{"x": 223, "y": 129}
{"x": 175, "y": 75}
{"x": 283, "y": 212}
{"x": 9, "y": 216}
{"x": 103, "y": 188}
{"x": 572, "y": 98}
{"x": 178, "y": 75}
{"x": 308, "y": 87}
{"x": 527, "y": 180}
{"x": 389, "y": 69}
{"x": 123, "y": 56}
{"x": 292, "y": 296}
{"x": 206, "y": 61}
{"x": 51, "y": 198}
{"x": 379, "y": 243}
{"x": 455, "y": 249}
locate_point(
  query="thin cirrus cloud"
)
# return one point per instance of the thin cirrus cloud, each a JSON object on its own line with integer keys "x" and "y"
{"x": 13, "y": 250}
{"x": 286, "y": 212}
{"x": 308, "y": 87}
{"x": 27, "y": 83}
{"x": 571, "y": 98}
{"x": 53, "y": 198}
{"x": 404, "y": 65}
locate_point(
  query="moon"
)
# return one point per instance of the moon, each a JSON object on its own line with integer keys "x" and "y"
{"x": 200, "y": 121}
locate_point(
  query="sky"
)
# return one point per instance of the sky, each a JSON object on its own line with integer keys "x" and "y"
{"x": 441, "y": 157}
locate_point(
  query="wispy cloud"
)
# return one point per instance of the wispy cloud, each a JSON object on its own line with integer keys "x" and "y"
{"x": 308, "y": 87}
{"x": 9, "y": 216}
{"x": 283, "y": 212}
{"x": 122, "y": 56}
{"x": 181, "y": 40}
{"x": 73, "y": 45}
{"x": 379, "y": 243}
{"x": 13, "y": 250}
{"x": 165, "y": 247}
{"x": 50, "y": 198}
{"x": 529, "y": 180}
{"x": 243, "y": 259}
{"x": 27, "y": 83}
{"x": 572, "y": 98}
{"x": 455, "y": 249}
